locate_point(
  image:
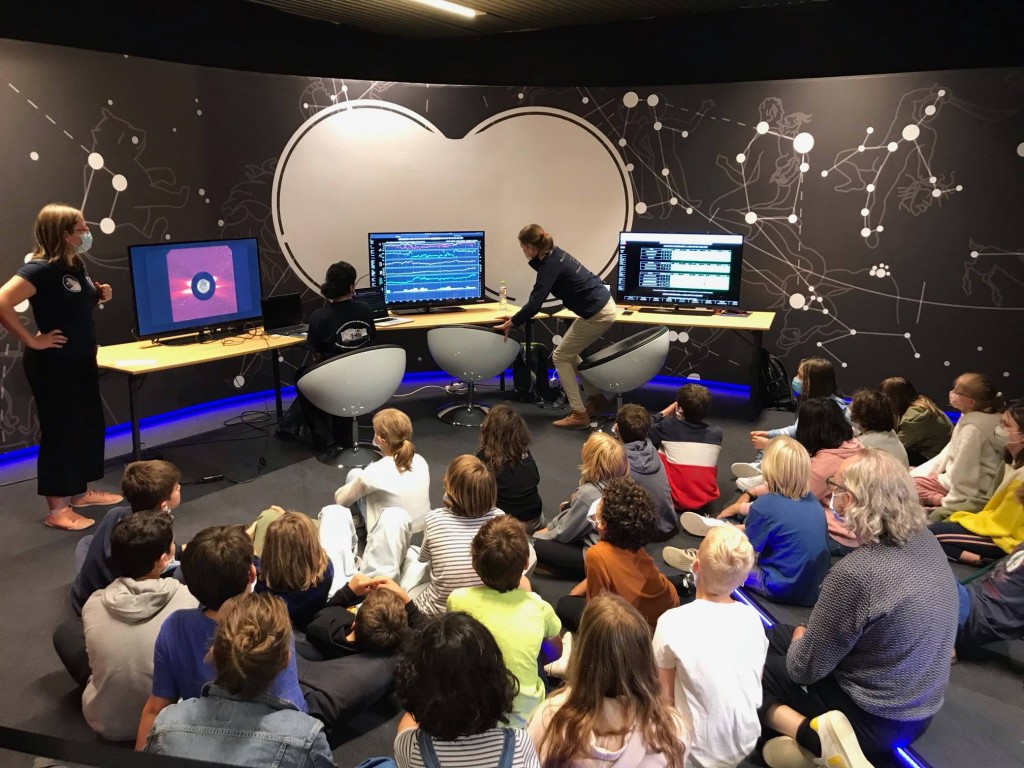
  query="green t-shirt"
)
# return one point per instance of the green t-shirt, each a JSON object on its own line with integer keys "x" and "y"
{"x": 519, "y": 622}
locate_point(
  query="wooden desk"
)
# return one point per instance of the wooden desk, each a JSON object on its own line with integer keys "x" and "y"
{"x": 138, "y": 358}
{"x": 756, "y": 323}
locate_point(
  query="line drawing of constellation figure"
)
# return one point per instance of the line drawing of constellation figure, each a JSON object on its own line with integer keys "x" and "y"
{"x": 246, "y": 213}
{"x": 322, "y": 93}
{"x": 989, "y": 264}
{"x": 117, "y": 144}
{"x": 912, "y": 185}
{"x": 783, "y": 191}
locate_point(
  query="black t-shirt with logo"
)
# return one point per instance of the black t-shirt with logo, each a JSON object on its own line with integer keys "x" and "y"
{"x": 65, "y": 299}
{"x": 340, "y": 327}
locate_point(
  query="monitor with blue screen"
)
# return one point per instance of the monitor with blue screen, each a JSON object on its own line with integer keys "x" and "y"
{"x": 424, "y": 270}
{"x": 182, "y": 288}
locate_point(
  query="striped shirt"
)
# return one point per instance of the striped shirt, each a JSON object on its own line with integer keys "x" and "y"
{"x": 446, "y": 546}
{"x": 482, "y": 750}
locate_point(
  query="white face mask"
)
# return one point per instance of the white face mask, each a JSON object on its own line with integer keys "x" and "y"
{"x": 1002, "y": 434}
{"x": 832, "y": 508}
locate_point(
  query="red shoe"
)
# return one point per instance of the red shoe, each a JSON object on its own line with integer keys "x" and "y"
{"x": 92, "y": 498}
{"x": 66, "y": 519}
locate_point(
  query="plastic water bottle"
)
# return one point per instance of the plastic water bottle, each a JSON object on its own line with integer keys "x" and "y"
{"x": 502, "y": 298}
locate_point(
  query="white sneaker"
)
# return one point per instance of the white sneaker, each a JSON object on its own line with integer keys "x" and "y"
{"x": 560, "y": 666}
{"x": 749, "y": 483}
{"x": 745, "y": 469}
{"x": 839, "y": 745}
{"x": 698, "y": 525}
{"x": 680, "y": 559}
{"x": 784, "y": 752}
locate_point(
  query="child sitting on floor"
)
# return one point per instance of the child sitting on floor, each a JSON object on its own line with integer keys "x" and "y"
{"x": 560, "y": 545}
{"x": 148, "y": 486}
{"x": 965, "y": 474}
{"x": 689, "y": 447}
{"x": 237, "y": 720}
{"x": 295, "y": 567}
{"x": 785, "y": 526}
{"x": 217, "y": 565}
{"x": 470, "y": 492}
{"x": 632, "y": 424}
{"x": 710, "y": 653}
{"x": 457, "y": 693}
{"x": 618, "y": 563}
{"x": 505, "y": 449}
{"x": 122, "y": 621}
{"x": 611, "y": 711}
{"x": 521, "y": 622}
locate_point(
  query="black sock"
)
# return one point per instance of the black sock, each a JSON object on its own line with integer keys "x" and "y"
{"x": 807, "y": 738}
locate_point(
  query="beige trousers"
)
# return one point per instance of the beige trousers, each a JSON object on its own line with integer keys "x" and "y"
{"x": 581, "y": 334}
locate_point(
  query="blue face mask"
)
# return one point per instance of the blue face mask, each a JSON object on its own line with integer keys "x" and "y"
{"x": 797, "y": 385}
{"x": 85, "y": 245}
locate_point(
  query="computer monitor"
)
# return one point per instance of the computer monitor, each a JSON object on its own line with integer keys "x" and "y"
{"x": 195, "y": 287}
{"x": 680, "y": 270}
{"x": 423, "y": 270}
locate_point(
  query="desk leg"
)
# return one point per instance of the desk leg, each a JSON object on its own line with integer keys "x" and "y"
{"x": 755, "y": 373}
{"x": 136, "y": 437}
{"x": 277, "y": 383}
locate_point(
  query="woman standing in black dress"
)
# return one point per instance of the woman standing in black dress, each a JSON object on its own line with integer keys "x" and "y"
{"x": 60, "y": 362}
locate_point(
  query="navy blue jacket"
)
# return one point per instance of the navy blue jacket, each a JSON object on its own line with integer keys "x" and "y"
{"x": 561, "y": 276}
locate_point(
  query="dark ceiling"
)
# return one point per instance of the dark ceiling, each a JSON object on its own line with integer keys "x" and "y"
{"x": 410, "y": 19}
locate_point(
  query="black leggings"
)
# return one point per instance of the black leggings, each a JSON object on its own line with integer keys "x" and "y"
{"x": 567, "y": 559}
{"x": 955, "y": 540}
{"x": 878, "y": 736}
{"x": 67, "y": 394}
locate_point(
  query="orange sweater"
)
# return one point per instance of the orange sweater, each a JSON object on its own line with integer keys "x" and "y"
{"x": 632, "y": 576}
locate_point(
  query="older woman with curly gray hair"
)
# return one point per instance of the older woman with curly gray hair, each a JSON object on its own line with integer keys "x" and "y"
{"x": 869, "y": 670}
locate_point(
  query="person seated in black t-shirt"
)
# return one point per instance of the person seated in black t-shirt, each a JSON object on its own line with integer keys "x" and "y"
{"x": 505, "y": 449}
{"x": 343, "y": 325}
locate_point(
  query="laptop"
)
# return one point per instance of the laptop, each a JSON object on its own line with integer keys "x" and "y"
{"x": 374, "y": 298}
{"x": 283, "y": 315}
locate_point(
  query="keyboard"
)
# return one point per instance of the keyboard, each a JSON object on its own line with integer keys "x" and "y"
{"x": 292, "y": 330}
{"x": 385, "y": 322}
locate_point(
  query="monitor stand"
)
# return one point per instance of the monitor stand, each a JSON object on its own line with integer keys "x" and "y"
{"x": 425, "y": 310}
{"x": 210, "y": 334}
{"x": 678, "y": 310}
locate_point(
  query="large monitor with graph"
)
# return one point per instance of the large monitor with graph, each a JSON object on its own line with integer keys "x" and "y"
{"x": 195, "y": 287}
{"x": 424, "y": 270}
{"x": 680, "y": 270}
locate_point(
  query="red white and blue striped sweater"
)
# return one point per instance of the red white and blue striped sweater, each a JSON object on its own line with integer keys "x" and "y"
{"x": 689, "y": 450}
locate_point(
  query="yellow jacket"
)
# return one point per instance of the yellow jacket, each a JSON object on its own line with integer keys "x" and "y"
{"x": 1002, "y": 519}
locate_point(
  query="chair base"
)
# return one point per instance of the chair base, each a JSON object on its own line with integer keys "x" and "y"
{"x": 463, "y": 415}
{"x": 361, "y": 455}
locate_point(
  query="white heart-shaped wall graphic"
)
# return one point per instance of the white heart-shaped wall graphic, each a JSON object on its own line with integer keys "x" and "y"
{"x": 371, "y": 166}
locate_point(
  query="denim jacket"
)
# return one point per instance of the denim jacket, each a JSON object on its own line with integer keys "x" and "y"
{"x": 220, "y": 727}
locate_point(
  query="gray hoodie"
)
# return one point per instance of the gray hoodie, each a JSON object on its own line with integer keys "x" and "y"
{"x": 121, "y": 623}
{"x": 971, "y": 465}
{"x": 646, "y": 468}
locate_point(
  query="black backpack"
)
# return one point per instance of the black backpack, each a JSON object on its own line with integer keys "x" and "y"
{"x": 774, "y": 382}
{"x": 530, "y": 374}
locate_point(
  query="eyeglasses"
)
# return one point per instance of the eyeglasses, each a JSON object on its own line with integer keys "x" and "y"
{"x": 832, "y": 485}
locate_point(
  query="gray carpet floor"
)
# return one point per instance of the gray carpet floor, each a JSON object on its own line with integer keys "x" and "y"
{"x": 980, "y": 723}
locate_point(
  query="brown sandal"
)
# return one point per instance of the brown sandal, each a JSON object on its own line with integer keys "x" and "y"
{"x": 67, "y": 519}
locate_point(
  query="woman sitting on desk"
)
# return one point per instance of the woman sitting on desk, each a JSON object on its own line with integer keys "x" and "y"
{"x": 582, "y": 292}
{"x": 344, "y": 325}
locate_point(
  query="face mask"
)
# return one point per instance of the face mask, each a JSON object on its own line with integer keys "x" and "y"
{"x": 832, "y": 508}
{"x": 85, "y": 245}
{"x": 797, "y": 385}
{"x": 1002, "y": 434}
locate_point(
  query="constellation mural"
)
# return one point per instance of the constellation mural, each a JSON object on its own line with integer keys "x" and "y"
{"x": 880, "y": 213}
